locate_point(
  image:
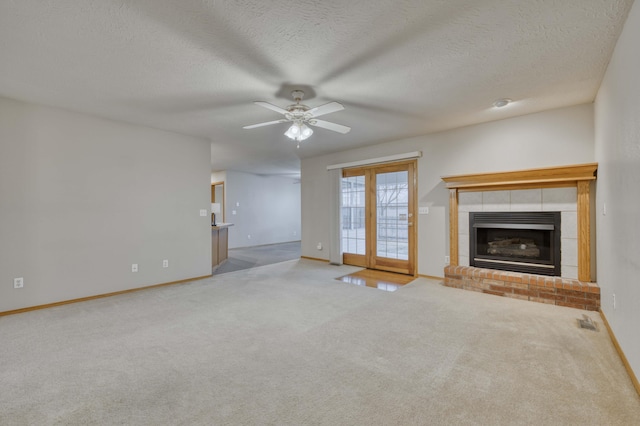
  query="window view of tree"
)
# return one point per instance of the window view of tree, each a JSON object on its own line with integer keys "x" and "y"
{"x": 392, "y": 207}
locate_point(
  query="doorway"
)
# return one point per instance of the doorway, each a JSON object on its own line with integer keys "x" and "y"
{"x": 378, "y": 211}
{"x": 217, "y": 197}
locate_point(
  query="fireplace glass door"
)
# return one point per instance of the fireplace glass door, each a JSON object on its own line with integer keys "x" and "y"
{"x": 516, "y": 241}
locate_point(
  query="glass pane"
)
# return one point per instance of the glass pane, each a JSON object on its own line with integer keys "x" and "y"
{"x": 392, "y": 207}
{"x": 353, "y": 213}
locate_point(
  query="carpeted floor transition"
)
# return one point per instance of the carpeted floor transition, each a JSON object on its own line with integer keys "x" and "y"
{"x": 288, "y": 344}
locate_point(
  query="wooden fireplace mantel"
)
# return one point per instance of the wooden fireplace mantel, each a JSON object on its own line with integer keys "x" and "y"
{"x": 579, "y": 176}
{"x": 548, "y": 177}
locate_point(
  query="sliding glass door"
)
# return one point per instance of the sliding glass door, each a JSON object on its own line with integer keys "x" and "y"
{"x": 378, "y": 205}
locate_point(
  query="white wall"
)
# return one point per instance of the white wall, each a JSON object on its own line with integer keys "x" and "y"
{"x": 617, "y": 118}
{"x": 82, "y": 198}
{"x": 552, "y": 138}
{"x": 218, "y": 177}
{"x": 268, "y": 210}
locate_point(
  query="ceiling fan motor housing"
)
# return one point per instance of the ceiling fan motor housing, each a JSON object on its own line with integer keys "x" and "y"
{"x": 297, "y": 95}
{"x": 297, "y": 111}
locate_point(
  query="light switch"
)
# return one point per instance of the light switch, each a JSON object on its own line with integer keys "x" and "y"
{"x": 203, "y": 212}
{"x": 423, "y": 210}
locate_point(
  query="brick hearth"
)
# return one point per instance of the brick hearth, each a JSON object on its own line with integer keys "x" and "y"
{"x": 535, "y": 288}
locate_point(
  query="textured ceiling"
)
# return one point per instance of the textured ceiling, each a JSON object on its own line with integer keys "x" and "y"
{"x": 401, "y": 68}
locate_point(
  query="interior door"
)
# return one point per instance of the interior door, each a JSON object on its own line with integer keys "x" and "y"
{"x": 378, "y": 212}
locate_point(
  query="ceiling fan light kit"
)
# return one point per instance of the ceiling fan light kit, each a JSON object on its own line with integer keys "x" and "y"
{"x": 298, "y": 131}
{"x": 302, "y": 117}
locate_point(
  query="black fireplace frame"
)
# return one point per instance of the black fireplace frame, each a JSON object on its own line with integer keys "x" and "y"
{"x": 549, "y": 221}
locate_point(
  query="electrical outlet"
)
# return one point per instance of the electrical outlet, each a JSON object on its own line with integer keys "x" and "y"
{"x": 134, "y": 267}
{"x": 447, "y": 260}
{"x": 18, "y": 282}
{"x": 295, "y": 233}
{"x": 204, "y": 212}
{"x": 319, "y": 246}
{"x": 165, "y": 263}
{"x": 248, "y": 237}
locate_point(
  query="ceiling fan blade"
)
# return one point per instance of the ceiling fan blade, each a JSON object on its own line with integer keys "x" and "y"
{"x": 330, "y": 126}
{"x": 325, "y": 109}
{"x": 272, "y": 107}
{"x": 267, "y": 123}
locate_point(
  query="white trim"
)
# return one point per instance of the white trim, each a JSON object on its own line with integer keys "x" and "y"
{"x": 389, "y": 158}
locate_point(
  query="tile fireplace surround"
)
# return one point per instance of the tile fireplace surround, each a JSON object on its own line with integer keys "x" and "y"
{"x": 565, "y": 189}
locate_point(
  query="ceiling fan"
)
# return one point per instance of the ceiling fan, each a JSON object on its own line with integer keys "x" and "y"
{"x": 302, "y": 117}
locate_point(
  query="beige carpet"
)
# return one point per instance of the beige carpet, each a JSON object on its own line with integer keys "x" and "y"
{"x": 287, "y": 344}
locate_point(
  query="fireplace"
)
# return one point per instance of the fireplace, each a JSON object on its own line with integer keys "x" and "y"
{"x": 527, "y": 242}
{"x": 545, "y": 190}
